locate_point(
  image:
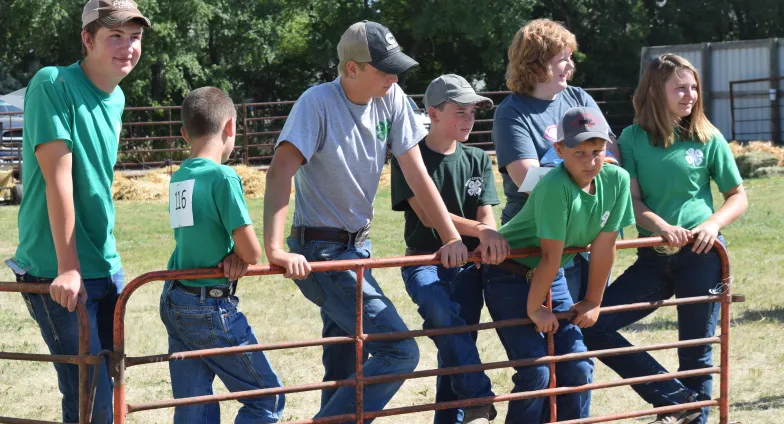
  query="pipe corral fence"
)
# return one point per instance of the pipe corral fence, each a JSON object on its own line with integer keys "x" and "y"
{"x": 151, "y": 135}
{"x": 119, "y": 362}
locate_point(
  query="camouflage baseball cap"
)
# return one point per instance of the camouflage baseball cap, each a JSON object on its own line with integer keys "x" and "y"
{"x": 112, "y": 13}
{"x": 582, "y": 123}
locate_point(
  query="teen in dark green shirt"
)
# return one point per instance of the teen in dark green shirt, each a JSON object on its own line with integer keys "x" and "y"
{"x": 450, "y": 297}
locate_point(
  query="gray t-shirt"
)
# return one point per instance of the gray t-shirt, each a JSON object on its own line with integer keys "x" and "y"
{"x": 345, "y": 145}
{"x": 525, "y": 127}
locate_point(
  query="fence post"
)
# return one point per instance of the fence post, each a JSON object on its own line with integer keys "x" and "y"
{"x": 775, "y": 115}
{"x": 245, "y": 132}
{"x": 551, "y": 365}
{"x": 732, "y": 112}
{"x": 359, "y": 335}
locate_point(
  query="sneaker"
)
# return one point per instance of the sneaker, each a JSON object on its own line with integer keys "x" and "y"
{"x": 680, "y": 417}
{"x": 477, "y": 415}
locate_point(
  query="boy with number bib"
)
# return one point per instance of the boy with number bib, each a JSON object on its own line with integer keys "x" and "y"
{"x": 212, "y": 227}
{"x": 580, "y": 202}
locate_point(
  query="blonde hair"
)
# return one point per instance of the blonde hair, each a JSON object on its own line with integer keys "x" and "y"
{"x": 532, "y": 49}
{"x": 652, "y": 113}
{"x": 342, "y": 66}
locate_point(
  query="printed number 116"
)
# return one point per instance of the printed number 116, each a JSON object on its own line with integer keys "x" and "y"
{"x": 179, "y": 200}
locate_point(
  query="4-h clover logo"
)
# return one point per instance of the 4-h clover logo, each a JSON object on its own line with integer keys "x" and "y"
{"x": 605, "y": 217}
{"x": 382, "y": 130}
{"x": 474, "y": 186}
{"x": 694, "y": 157}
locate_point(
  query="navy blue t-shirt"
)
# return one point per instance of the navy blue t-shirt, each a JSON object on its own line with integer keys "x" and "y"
{"x": 525, "y": 127}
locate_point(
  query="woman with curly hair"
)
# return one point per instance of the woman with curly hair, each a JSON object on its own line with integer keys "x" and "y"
{"x": 524, "y": 127}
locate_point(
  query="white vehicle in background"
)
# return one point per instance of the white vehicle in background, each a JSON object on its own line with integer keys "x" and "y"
{"x": 420, "y": 114}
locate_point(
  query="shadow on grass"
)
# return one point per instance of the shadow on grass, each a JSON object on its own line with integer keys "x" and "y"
{"x": 760, "y": 315}
{"x": 770, "y": 402}
{"x": 748, "y": 316}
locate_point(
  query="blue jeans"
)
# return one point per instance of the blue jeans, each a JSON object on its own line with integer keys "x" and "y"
{"x": 195, "y": 322}
{"x": 446, "y": 297}
{"x": 654, "y": 277}
{"x": 60, "y": 331}
{"x": 335, "y": 293}
{"x": 506, "y": 296}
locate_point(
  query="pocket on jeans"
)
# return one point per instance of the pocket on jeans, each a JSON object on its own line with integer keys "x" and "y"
{"x": 195, "y": 329}
{"x": 328, "y": 250}
{"x": 29, "y": 303}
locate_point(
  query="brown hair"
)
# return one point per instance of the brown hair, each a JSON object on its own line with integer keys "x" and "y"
{"x": 531, "y": 50}
{"x": 652, "y": 113}
{"x": 205, "y": 111}
{"x": 92, "y": 29}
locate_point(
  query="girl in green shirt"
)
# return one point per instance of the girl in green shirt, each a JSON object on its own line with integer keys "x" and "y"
{"x": 671, "y": 153}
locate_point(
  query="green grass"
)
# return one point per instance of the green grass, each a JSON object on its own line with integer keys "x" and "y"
{"x": 278, "y": 312}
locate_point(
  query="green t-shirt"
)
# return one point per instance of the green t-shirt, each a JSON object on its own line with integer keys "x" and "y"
{"x": 61, "y": 103}
{"x": 206, "y": 204}
{"x": 675, "y": 182}
{"x": 465, "y": 181}
{"x": 560, "y": 210}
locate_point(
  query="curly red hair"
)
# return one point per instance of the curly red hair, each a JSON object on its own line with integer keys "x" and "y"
{"x": 532, "y": 49}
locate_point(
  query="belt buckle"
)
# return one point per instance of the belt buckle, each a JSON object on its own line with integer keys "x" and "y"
{"x": 530, "y": 274}
{"x": 666, "y": 250}
{"x": 361, "y": 236}
{"x": 215, "y": 293}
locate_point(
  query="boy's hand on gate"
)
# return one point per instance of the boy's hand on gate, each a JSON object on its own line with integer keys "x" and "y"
{"x": 544, "y": 319}
{"x": 296, "y": 266}
{"x": 453, "y": 254}
{"x": 233, "y": 267}
{"x": 587, "y": 313}
{"x": 493, "y": 247}
{"x": 68, "y": 289}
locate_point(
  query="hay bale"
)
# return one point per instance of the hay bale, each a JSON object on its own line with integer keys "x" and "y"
{"x": 153, "y": 185}
{"x": 751, "y": 161}
{"x": 758, "y": 146}
{"x": 253, "y": 181}
{"x": 768, "y": 171}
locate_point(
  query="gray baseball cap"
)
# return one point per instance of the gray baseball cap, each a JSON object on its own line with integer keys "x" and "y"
{"x": 582, "y": 123}
{"x": 371, "y": 42}
{"x": 455, "y": 89}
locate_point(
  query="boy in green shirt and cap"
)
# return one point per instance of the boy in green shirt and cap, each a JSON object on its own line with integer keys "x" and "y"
{"x": 580, "y": 202}
{"x": 212, "y": 227}
{"x": 73, "y": 119}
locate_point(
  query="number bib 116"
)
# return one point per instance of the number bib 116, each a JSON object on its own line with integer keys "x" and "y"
{"x": 180, "y": 205}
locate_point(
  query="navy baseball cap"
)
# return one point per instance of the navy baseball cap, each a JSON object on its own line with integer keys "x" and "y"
{"x": 582, "y": 123}
{"x": 371, "y": 42}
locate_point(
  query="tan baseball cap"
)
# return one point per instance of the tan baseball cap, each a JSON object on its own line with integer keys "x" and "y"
{"x": 112, "y": 13}
{"x": 371, "y": 42}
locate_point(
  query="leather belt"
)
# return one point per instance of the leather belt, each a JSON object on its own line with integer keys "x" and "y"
{"x": 210, "y": 291}
{"x": 331, "y": 234}
{"x": 516, "y": 268}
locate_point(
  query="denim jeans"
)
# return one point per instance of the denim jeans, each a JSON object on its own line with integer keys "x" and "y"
{"x": 654, "y": 277}
{"x": 195, "y": 322}
{"x": 442, "y": 294}
{"x": 335, "y": 293}
{"x": 506, "y": 296}
{"x": 60, "y": 331}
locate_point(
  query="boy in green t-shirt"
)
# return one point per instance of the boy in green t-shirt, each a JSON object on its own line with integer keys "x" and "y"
{"x": 452, "y": 297}
{"x": 212, "y": 227}
{"x": 73, "y": 120}
{"x": 580, "y": 202}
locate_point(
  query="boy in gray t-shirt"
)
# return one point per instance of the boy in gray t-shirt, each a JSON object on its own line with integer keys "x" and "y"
{"x": 334, "y": 145}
